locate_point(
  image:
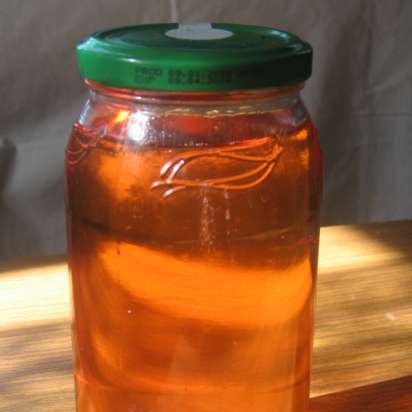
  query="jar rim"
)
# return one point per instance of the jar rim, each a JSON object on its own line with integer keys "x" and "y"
{"x": 159, "y": 96}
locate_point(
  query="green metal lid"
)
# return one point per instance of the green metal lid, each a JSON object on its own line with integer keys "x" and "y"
{"x": 194, "y": 57}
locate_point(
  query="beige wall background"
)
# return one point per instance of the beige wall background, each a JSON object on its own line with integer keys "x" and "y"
{"x": 360, "y": 97}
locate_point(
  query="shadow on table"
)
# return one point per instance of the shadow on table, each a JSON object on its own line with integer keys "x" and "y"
{"x": 390, "y": 396}
{"x": 36, "y": 368}
{"x": 363, "y": 328}
{"x": 396, "y": 235}
{"x": 7, "y": 267}
{"x": 35, "y": 350}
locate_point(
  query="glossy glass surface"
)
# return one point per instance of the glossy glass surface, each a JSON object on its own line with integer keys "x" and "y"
{"x": 193, "y": 225}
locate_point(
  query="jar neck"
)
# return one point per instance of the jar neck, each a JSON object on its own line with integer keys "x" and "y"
{"x": 282, "y": 96}
{"x": 271, "y": 112}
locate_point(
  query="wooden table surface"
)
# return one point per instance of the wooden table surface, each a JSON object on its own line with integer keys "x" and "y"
{"x": 363, "y": 326}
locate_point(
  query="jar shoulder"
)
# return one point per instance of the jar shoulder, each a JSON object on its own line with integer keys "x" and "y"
{"x": 187, "y": 123}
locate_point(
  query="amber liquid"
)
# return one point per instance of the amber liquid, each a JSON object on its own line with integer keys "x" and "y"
{"x": 193, "y": 270}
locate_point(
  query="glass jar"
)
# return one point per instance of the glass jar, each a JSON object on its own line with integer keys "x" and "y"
{"x": 193, "y": 228}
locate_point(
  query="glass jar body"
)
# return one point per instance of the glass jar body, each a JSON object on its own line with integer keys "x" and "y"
{"x": 193, "y": 228}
